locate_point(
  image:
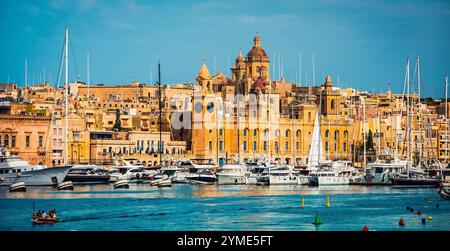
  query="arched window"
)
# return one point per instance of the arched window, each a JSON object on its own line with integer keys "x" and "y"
{"x": 255, "y": 133}
{"x": 220, "y": 132}
{"x": 286, "y": 146}
{"x": 332, "y": 104}
{"x": 326, "y": 133}
{"x": 336, "y": 135}
{"x": 276, "y": 146}
{"x": 210, "y": 146}
{"x": 287, "y": 133}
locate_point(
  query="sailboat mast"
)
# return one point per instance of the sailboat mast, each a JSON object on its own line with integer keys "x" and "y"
{"x": 270, "y": 123}
{"x": 419, "y": 105}
{"x": 66, "y": 94}
{"x": 26, "y": 72}
{"x": 408, "y": 118}
{"x": 160, "y": 115}
{"x": 88, "y": 74}
{"x": 364, "y": 128}
{"x": 446, "y": 116}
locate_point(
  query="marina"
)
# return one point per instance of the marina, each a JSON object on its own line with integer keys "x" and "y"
{"x": 227, "y": 207}
{"x": 216, "y": 116}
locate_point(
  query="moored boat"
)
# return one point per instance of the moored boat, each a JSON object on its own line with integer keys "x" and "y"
{"x": 87, "y": 174}
{"x": 232, "y": 174}
{"x": 121, "y": 184}
{"x": 18, "y": 187}
{"x": 13, "y": 169}
{"x": 66, "y": 185}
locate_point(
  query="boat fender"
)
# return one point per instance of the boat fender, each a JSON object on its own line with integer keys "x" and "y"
{"x": 430, "y": 202}
{"x": 424, "y": 220}
{"x": 411, "y": 209}
{"x": 365, "y": 229}
{"x": 401, "y": 222}
{"x": 430, "y": 218}
{"x": 437, "y": 205}
{"x": 419, "y": 212}
{"x": 408, "y": 208}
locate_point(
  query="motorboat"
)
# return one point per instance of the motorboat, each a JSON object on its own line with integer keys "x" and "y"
{"x": 66, "y": 185}
{"x": 88, "y": 174}
{"x": 205, "y": 176}
{"x": 164, "y": 183}
{"x": 283, "y": 175}
{"x": 14, "y": 169}
{"x": 232, "y": 174}
{"x": 18, "y": 187}
{"x": 195, "y": 171}
{"x": 444, "y": 188}
{"x": 257, "y": 172}
{"x": 338, "y": 173}
{"x": 381, "y": 172}
{"x": 121, "y": 184}
{"x": 138, "y": 175}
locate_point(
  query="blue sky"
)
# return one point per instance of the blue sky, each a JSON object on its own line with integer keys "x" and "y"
{"x": 364, "y": 42}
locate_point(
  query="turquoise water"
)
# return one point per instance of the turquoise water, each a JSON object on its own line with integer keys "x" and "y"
{"x": 211, "y": 207}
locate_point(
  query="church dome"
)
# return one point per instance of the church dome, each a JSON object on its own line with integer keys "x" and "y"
{"x": 257, "y": 51}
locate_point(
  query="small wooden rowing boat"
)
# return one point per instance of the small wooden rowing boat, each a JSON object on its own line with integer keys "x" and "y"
{"x": 41, "y": 220}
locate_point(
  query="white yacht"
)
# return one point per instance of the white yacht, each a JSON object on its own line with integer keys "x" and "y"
{"x": 255, "y": 172}
{"x": 338, "y": 173}
{"x": 195, "y": 171}
{"x": 283, "y": 175}
{"x": 382, "y": 172}
{"x": 13, "y": 169}
{"x": 232, "y": 174}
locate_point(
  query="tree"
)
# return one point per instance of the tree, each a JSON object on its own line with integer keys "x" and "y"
{"x": 369, "y": 142}
{"x": 117, "y": 126}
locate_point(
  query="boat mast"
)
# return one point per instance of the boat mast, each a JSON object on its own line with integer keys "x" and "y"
{"x": 446, "y": 117}
{"x": 88, "y": 74}
{"x": 66, "y": 94}
{"x": 160, "y": 115}
{"x": 217, "y": 132}
{"x": 270, "y": 122}
{"x": 408, "y": 119}
{"x": 26, "y": 72}
{"x": 364, "y": 128}
{"x": 419, "y": 113}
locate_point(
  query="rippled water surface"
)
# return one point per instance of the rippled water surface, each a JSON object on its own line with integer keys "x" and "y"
{"x": 212, "y": 207}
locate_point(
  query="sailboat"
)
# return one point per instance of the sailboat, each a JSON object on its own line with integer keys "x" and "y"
{"x": 415, "y": 176}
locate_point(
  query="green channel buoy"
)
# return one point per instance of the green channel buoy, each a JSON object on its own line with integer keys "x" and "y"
{"x": 317, "y": 220}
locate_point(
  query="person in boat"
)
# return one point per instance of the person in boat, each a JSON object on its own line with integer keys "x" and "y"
{"x": 39, "y": 214}
{"x": 44, "y": 215}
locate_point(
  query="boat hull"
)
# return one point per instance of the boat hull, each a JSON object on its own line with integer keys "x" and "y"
{"x": 43, "y": 177}
{"x": 88, "y": 179}
{"x": 231, "y": 179}
{"x": 333, "y": 181}
{"x": 414, "y": 183}
{"x": 283, "y": 180}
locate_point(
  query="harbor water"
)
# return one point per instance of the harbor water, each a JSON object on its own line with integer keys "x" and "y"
{"x": 213, "y": 207}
